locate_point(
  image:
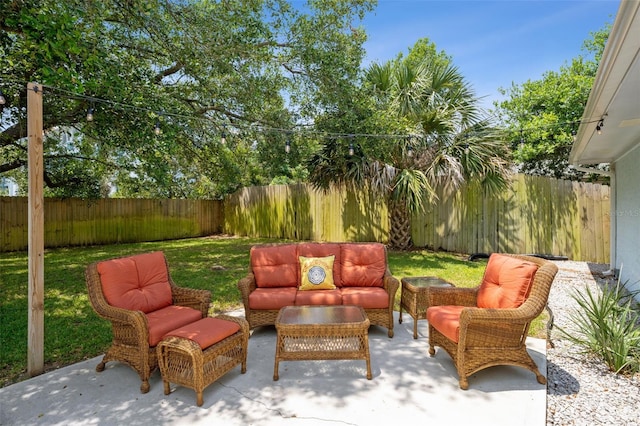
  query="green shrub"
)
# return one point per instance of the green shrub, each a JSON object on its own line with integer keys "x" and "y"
{"x": 608, "y": 327}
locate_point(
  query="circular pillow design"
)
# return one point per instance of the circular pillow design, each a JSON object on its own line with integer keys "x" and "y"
{"x": 316, "y": 275}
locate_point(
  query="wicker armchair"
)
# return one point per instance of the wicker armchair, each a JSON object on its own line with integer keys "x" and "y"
{"x": 487, "y": 325}
{"x": 137, "y": 295}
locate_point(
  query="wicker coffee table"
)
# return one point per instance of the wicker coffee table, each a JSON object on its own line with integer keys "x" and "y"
{"x": 415, "y": 297}
{"x": 322, "y": 333}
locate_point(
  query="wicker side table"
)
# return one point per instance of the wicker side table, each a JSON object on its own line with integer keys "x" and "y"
{"x": 415, "y": 297}
{"x": 322, "y": 332}
{"x": 184, "y": 362}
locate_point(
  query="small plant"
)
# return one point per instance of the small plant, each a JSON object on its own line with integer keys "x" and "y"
{"x": 608, "y": 327}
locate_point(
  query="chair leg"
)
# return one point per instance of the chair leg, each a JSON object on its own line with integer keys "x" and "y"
{"x": 541, "y": 379}
{"x": 432, "y": 350}
{"x": 144, "y": 387}
{"x": 464, "y": 383}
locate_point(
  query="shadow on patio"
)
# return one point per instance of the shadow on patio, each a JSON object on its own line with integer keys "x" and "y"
{"x": 407, "y": 386}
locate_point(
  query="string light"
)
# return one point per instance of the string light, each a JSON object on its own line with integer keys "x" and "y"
{"x": 287, "y": 146}
{"x": 90, "y": 111}
{"x": 252, "y": 126}
{"x": 223, "y": 136}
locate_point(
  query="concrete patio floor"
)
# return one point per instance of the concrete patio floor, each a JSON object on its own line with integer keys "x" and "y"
{"x": 408, "y": 386}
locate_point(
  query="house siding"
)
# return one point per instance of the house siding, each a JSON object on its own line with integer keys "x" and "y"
{"x": 627, "y": 218}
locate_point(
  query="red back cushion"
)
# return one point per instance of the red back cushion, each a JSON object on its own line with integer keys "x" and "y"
{"x": 506, "y": 283}
{"x": 323, "y": 250}
{"x": 363, "y": 265}
{"x": 275, "y": 266}
{"x": 139, "y": 283}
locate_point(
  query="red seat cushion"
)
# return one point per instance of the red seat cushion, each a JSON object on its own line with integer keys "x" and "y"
{"x": 367, "y": 297}
{"x": 138, "y": 283}
{"x": 272, "y": 298}
{"x": 207, "y": 331}
{"x": 363, "y": 265}
{"x": 319, "y": 297}
{"x": 275, "y": 266}
{"x": 446, "y": 319}
{"x": 506, "y": 283}
{"x": 164, "y": 320}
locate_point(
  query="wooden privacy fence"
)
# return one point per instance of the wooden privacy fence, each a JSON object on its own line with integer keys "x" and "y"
{"x": 73, "y": 222}
{"x": 534, "y": 215}
{"x": 299, "y": 212}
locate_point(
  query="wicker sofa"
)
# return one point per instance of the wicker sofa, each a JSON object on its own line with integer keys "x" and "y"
{"x": 279, "y": 275}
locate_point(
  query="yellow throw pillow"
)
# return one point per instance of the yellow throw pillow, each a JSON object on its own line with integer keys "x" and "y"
{"x": 316, "y": 273}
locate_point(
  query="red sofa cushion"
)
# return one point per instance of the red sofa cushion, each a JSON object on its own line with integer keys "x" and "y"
{"x": 446, "y": 319}
{"x": 506, "y": 283}
{"x": 363, "y": 265}
{"x": 323, "y": 250}
{"x": 273, "y": 298}
{"x": 138, "y": 283}
{"x": 275, "y": 266}
{"x": 367, "y": 297}
{"x": 207, "y": 331}
{"x": 164, "y": 320}
{"x": 320, "y": 297}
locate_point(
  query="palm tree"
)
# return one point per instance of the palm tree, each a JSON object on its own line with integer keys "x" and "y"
{"x": 450, "y": 141}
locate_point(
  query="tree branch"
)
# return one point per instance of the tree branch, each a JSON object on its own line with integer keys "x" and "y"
{"x": 169, "y": 71}
{"x": 16, "y": 164}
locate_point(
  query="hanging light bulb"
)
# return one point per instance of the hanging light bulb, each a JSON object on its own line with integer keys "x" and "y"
{"x": 223, "y": 138}
{"x": 3, "y": 100}
{"x": 351, "y": 150}
{"x": 90, "y": 111}
{"x": 409, "y": 151}
{"x": 156, "y": 129}
{"x": 599, "y": 126}
{"x": 287, "y": 146}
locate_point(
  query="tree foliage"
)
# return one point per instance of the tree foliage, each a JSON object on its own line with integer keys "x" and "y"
{"x": 203, "y": 70}
{"x": 543, "y": 115}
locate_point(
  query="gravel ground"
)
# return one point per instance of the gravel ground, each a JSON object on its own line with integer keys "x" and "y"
{"x": 581, "y": 390}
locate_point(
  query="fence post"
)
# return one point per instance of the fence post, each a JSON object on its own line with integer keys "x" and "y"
{"x": 35, "y": 340}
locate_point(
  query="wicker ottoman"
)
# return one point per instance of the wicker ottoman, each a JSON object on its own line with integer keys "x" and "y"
{"x": 198, "y": 354}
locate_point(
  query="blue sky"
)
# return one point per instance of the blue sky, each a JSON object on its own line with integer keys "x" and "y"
{"x": 493, "y": 43}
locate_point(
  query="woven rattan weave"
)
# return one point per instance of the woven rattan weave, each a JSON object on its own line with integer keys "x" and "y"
{"x": 490, "y": 337}
{"x": 183, "y": 362}
{"x": 322, "y": 332}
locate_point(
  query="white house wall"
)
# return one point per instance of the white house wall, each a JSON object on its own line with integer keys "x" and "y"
{"x": 627, "y": 213}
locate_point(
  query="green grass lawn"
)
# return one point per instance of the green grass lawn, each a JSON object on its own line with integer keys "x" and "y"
{"x": 73, "y": 332}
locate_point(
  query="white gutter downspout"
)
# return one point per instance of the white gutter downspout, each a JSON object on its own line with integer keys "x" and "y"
{"x": 613, "y": 224}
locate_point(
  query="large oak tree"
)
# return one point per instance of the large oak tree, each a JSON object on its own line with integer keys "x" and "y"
{"x": 242, "y": 72}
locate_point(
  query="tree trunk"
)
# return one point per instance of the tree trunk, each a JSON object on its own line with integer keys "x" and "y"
{"x": 399, "y": 226}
